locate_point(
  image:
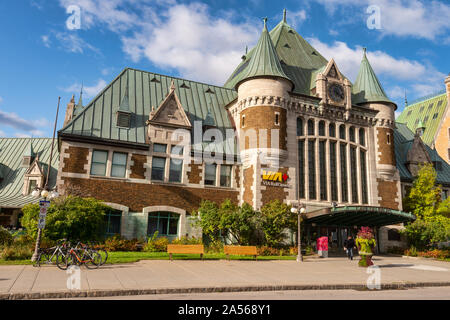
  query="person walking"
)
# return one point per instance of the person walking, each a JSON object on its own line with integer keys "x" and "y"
{"x": 349, "y": 244}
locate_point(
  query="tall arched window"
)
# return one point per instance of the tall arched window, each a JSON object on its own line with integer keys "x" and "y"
{"x": 362, "y": 137}
{"x": 299, "y": 126}
{"x": 322, "y": 128}
{"x": 310, "y": 127}
{"x": 352, "y": 134}
{"x": 332, "y": 130}
{"x": 342, "y": 131}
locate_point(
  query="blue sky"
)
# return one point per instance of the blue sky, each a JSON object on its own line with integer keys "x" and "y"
{"x": 41, "y": 58}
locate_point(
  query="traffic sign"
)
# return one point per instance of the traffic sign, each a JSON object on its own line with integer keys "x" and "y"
{"x": 41, "y": 223}
{"x": 43, "y": 206}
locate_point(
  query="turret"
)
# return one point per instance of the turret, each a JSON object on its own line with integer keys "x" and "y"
{"x": 263, "y": 93}
{"x": 69, "y": 111}
{"x": 368, "y": 92}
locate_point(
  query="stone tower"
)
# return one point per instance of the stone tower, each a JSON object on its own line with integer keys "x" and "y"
{"x": 263, "y": 94}
{"x": 369, "y": 92}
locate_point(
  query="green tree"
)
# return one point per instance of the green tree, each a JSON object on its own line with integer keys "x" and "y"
{"x": 208, "y": 219}
{"x": 276, "y": 218}
{"x": 424, "y": 200}
{"x": 68, "y": 217}
{"x": 425, "y": 196}
{"x": 239, "y": 221}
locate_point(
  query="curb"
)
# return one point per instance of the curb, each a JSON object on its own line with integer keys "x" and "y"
{"x": 135, "y": 292}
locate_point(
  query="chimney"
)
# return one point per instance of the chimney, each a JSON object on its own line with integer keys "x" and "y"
{"x": 69, "y": 111}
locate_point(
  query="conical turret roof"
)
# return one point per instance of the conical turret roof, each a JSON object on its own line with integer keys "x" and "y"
{"x": 367, "y": 87}
{"x": 265, "y": 61}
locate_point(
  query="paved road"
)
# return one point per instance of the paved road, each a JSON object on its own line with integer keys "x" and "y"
{"x": 183, "y": 274}
{"x": 438, "y": 293}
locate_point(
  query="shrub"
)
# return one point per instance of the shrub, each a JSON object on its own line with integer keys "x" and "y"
{"x": 411, "y": 252}
{"x": 267, "y": 251}
{"x": 436, "y": 254}
{"x": 5, "y": 237}
{"x": 276, "y": 217}
{"x": 117, "y": 243}
{"x": 186, "y": 240}
{"x": 155, "y": 244}
{"x": 68, "y": 217}
{"x": 16, "y": 252}
{"x": 425, "y": 234}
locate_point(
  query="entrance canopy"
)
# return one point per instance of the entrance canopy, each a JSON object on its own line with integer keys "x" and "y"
{"x": 358, "y": 216}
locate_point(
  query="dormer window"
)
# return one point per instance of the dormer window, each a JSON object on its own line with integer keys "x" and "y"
{"x": 123, "y": 119}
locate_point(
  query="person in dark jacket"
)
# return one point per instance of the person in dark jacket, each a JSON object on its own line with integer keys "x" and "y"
{"x": 349, "y": 244}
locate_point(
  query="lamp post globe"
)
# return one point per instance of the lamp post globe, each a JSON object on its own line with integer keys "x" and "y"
{"x": 44, "y": 193}
{"x": 35, "y": 193}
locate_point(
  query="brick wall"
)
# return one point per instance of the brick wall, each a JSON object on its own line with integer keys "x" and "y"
{"x": 237, "y": 177}
{"x": 137, "y": 196}
{"x": 263, "y": 117}
{"x": 194, "y": 176}
{"x": 248, "y": 183}
{"x": 138, "y": 169}
{"x": 387, "y": 191}
{"x": 386, "y": 151}
{"x": 274, "y": 193}
{"x": 78, "y": 158}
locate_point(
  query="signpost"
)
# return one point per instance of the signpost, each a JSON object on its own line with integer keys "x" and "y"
{"x": 43, "y": 206}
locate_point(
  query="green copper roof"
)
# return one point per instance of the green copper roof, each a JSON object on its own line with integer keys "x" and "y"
{"x": 265, "y": 60}
{"x": 403, "y": 139}
{"x": 28, "y": 152}
{"x": 11, "y": 155}
{"x": 358, "y": 216}
{"x": 146, "y": 89}
{"x": 367, "y": 87}
{"x": 299, "y": 60}
{"x": 430, "y": 111}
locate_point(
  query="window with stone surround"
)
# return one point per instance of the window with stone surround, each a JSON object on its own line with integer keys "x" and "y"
{"x": 225, "y": 175}
{"x": 311, "y": 127}
{"x": 365, "y": 195}
{"x": 322, "y": 128}
{"x": 301, "y": 168}
{"x": 277, "y": 118}
{"x": 312, "y": 168}
{"x": 158, "y": 168}
{"x": 322, "y": 171}
{"x": 344, "y": 184}
{"x": 353, "y": 175}
{"x": 165, "y": 223}
{"x": 113, "y": 219}
{"x": 362, "y": 137}
{"x": 332, "y": 130}
{"x": 352, "y": 134}
{"x": 210, "y": 174}
{"x": 159, "y": 148}
{"x": 119, "y": 165}
{"x": 99, "y": 160}
{"x": 31, "y": 185}
{"x": 300, "y": 127}
{"x": 342, "y": 131}
{"x": 333, "y": 171}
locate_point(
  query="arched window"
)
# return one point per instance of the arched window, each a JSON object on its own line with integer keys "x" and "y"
{"x": 299, "y": 126}
{"x": 310, "y": 127}
{"x": 352, "y": 134}
{"x": 321, "y": 128}
{"x": 332, "y": 130}
{"x": 362, "y": 137}
{"x": 342, "y": 131}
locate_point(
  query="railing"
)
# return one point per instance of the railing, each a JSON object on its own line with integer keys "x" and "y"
{"x": 427, "y": 97}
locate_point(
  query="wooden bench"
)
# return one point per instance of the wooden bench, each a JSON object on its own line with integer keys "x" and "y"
{"x": 185, "y": 248}
{"x": 240, "y": 250}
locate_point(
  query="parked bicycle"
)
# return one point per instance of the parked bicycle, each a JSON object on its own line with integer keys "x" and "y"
{"x": 58, "y": 252}
{"x": 79, "y": 255}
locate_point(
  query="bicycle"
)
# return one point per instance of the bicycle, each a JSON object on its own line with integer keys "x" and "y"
{"x": 84, "y": 255}
{"x": 46, "y": 255}
{"x": 96, "y": 246}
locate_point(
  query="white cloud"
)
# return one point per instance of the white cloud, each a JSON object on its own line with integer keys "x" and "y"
{"x": 2, "y": 134}
{"x": 184, "y": 37}
{"x": 296, "y": 18}
{"x": 396, "y": 92}
{"x": 73, "y": 43}
{"x": 46, "y": 40}
{"x": 415, "y": 18}
{"x": 424, "y": 78}
{"x": 1, "y": 99}
{"x": 11, "y": 119}
{"x": 88, "y": 92}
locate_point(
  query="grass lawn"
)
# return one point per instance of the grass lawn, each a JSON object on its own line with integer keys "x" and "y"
{"x": 124, "y": 257}
{"x": 127, "y": 257}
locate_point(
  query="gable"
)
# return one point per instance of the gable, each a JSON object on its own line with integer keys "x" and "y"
{"x": 171, "y": 112}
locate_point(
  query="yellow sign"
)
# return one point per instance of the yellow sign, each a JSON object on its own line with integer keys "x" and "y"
{"x": 274, "y": 176}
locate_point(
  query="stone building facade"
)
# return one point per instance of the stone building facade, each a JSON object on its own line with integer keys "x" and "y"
{"x": 287, "y": 125}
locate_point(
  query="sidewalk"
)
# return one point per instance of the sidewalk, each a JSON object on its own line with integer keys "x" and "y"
{"x": 182, "y": 276}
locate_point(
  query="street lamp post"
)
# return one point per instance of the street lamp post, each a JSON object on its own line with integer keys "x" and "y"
{"x": 44, "y": 192}
{"x": 300, "y": 210}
